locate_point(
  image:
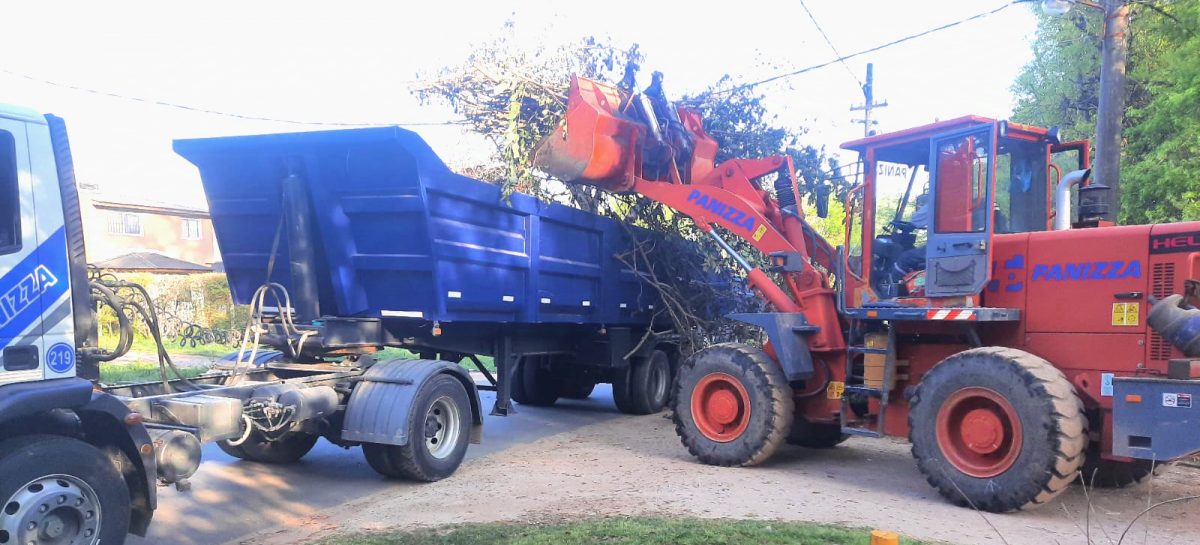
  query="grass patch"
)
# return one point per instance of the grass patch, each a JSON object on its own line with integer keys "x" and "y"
{"x": 625, "y": 531}
{"x": 146, "y": 344}
{"x": 114, "y": 373}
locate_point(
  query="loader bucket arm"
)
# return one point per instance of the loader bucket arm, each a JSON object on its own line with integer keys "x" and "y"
{"x": 624, "y": 143}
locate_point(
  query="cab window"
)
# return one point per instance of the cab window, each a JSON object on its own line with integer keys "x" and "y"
{"x": 1021, "y": 189}
{"x": 962, "y": 172}
{"x": 10, "y": 196}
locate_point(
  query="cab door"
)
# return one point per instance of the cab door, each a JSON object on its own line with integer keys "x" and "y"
{"x": 20, "y": 308}
{"x": 960, "y": 237}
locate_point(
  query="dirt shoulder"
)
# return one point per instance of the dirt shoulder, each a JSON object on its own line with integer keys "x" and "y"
{"x": 635, "y": 466}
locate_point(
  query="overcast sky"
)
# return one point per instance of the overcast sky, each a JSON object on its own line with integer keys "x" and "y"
{"x": 353, "y": 62}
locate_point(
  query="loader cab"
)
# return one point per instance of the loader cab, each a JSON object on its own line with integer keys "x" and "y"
{"x": 920, "y": 227}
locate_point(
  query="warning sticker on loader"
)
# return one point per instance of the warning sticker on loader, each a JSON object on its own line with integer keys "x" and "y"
{"x": 1179, "y": 401}
{"x": 758, "y": 233}
{"x": 1126, "y": 314}
{"x": 835, "y": 390}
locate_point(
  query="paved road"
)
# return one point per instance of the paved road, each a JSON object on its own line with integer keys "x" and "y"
{"x": 231, "y": 498}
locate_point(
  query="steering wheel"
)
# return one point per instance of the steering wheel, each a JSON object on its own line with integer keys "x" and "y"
{"x": 905, "y": 227}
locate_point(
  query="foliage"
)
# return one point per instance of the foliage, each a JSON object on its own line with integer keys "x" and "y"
{"x": 196, "y": 311}
{"x": 1060, "y": 87}
{"x": 1162, "y": 157}
{"x": 623, "y": 531}
{"x": 516, "y": 96}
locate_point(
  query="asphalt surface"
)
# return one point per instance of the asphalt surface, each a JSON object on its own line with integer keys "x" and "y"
{"x": 231, "y": 499}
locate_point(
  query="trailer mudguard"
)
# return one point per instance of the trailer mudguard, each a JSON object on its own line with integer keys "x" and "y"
{"x": 103, "y": 421}
{"x": 25, "y": 398}
{"x": 788, "y": 333}
{"x": 382, "y": 401}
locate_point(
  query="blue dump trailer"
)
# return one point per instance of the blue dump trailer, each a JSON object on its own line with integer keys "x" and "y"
{"x": 379, "y": 244}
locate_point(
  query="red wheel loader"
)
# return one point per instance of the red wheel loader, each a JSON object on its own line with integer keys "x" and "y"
{"x": 979, "y": 306}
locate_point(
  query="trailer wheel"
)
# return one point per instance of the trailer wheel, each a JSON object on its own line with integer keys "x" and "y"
{"x": 288, "y": 449}
{"x": 644, "y": 386}
{"x": 534, "y": 385}
{"x": 997, "y": 429}
{"x": 578, "y": 388}
{"x": 1103, "y": 473}
{"x": 60, "y": 490}
{"x": 442, "y": 411}
{"x": 732, "y": 405}
{"x": 815, "y": 435}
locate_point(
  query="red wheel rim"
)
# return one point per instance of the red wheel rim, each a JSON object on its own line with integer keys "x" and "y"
{"x": 720, "y": 407}
{"x": 979, "y": 432}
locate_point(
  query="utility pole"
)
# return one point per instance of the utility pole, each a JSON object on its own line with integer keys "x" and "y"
{"x": 869, "y": 103}
{"x": 1111, "y": 111}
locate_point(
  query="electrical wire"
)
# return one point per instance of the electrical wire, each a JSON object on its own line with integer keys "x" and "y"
{"x": 895, "y": 42}
{"x": 828, "y": 41}
{"x": 197, "y": 109}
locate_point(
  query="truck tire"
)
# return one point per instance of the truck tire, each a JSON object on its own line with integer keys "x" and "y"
{"x": 650, "y": 383}
{"x": 815, "y": 435}
{"x": 62, "y": 486}
{"x": 534, "y": 385}
{"x": 997, "y": 429}
{"x": 288, "y": 449}
{"x": 578, "y": 388}
{"x": 1102, "y": 473}
{"x": 441, "y": 424}
{"x": 732, "y": 404}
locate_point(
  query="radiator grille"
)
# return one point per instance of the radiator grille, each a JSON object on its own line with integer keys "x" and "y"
{"x": 1162, "y": 285}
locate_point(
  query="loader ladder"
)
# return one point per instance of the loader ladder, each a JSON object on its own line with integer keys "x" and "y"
{"x": 881, "y": 391}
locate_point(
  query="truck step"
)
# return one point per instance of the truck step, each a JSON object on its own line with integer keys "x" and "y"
{"x": 861, "y": 432}
{"x": 863, "y": 390}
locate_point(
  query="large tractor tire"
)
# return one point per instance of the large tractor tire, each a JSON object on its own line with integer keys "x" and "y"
{"x": 1103, "y": 473}
{"x": 60, "y": 490}
{"x": 733, "y": 405}
{"x": 997, "y": 429}
{"x": 534, "y": 383}
{"x": 815, "y": 435}
{"x": 288, "y": 449}
{"x": 441, "y": 425}
{"x": 645, "y": 386}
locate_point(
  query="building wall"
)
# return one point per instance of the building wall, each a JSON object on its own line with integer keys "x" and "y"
{"x": 161, "y": 232}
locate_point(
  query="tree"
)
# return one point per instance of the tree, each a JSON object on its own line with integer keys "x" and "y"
{"x": 1060, "y": 87}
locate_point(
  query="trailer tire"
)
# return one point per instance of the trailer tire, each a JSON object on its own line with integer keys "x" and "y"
{"x": 534, "y": 385}
{"x": 650, "y": 383}
{"x": 579, "y": 388}
{"x": 288, "y": 449}
{"x": 997, "y": 429}
{"x": 442, "y": 415}
{"x": 38, "y": 470}
{"x": 732, "y": 405}
{"x": 1102, "y": 473}
{"x": 815, "y": 435}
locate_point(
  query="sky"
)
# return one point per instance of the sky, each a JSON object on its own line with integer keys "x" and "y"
{"x": 355, "y": 62}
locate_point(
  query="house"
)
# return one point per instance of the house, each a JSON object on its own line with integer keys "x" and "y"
{"x": 133, "y": 234}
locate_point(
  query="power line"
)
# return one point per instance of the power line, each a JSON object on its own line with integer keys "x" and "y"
{"x": 832, "y": 47}
{"x": 196, "y": 109}
{"x": 871, "y": 50}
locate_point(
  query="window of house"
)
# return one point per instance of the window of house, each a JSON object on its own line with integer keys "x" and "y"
{"x": 191, "y": 229}
{"x": 125, "y": 223}
{"x": 10, "y": 196}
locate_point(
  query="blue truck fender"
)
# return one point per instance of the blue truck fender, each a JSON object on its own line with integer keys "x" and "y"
{"x": 27, "y": 398}
{"x": 104, "y": 423}
{"x": 382, "y": 402}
